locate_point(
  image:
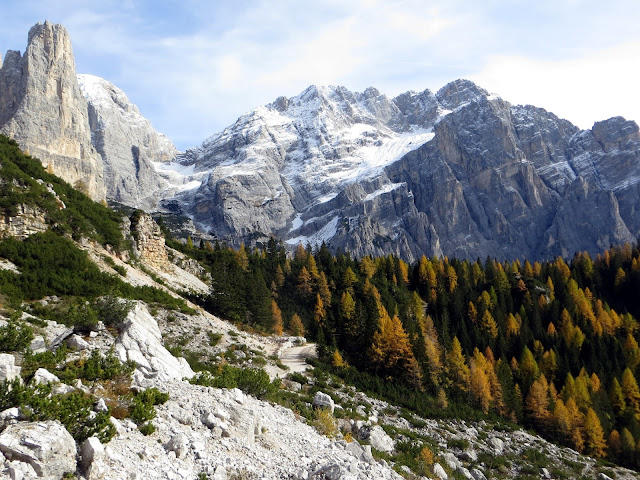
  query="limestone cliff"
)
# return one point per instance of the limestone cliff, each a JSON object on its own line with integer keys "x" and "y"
{"x": 42, "y": 108}
{"x": 128, "y": 144}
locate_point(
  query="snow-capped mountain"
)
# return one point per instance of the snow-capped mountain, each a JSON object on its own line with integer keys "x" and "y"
{"x": 461, "y": 172}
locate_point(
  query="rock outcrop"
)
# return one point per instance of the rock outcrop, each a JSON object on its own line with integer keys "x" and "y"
{"x": 8, "y": 368}
{"x": 128, "y": 144}
{"x": 149, "y": 245}
{"x": 26, "y": 221}
{"x": 42, "y": 108}
{"x": 46, "y": 447}
{"x": 140, "y": 341}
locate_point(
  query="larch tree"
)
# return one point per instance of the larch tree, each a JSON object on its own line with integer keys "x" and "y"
{"x": 278, "y": 325}
{"x": 479, "y": 385}
{"x": 631, "y": 392}
{"x": 296, "y": 327}
{"x": 458, "y": 374}
{"x": 595, "y": 443}
{"x": 391, "y": 350}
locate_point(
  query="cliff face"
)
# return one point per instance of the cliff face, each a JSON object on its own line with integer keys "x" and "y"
{"x": 128, "y": 144}
{"x": 42, "y": 108}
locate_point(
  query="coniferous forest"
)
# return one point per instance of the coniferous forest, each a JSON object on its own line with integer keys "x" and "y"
{"x": 552, "y": 346}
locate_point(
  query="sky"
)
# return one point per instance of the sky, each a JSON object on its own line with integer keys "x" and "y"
{"x": 194, "y": 66}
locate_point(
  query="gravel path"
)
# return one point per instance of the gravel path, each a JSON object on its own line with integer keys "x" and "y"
{"x": 294, "y": 357}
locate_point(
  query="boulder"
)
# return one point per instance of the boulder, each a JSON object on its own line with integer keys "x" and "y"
{"x": 101, "y": 406}
{"x": 38, "y": 344}
{"x": 322, "y": 400}
{"x": 379, "y": 439}
{"x": 179, "y": 444}
{"x": 439, "y": 472}
{"x": 44, "y": 376}
{"x": 140, "y": 341}
{"x": 8, "y": 368}
{"x": 477, "y": 474}
{"x": 92, "y": 451}
{"x": 56, "y": 342}
{"x": 46, "y": 446}
{"x": 496, "y": 444}
{"x": 76, "y": 342}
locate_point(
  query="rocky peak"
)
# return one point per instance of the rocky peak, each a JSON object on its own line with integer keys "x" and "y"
{"x": 458, "y": 92}
{"x": 418, "y": 108}
{"x": 615, "y": 132}
{"x": 127, "y": 142}
{"x": 41, "y": 107}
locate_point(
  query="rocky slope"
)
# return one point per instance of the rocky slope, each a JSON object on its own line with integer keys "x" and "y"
{"x": 42, "y": 108}
{"x": 460, "y": 173}
{"x": 128, "y": 144}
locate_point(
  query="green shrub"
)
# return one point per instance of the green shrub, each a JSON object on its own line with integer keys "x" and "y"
{"x": 120, "y": 270}
{"x": 143, "y": 406}
{"x": 73, "y": 410}
{"x": 297, "y": 377}
{"x": 459, "y": 443}
{"x": 214, "y": 338}
{"x": 254, "y": 382}
{"x": 15, "y": 336}
{"x": 147, "y": 428}
{"x": 96, "y": 367}
{"x": 112, "y": 310}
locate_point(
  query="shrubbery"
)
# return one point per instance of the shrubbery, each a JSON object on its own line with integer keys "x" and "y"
{"x": 251, "y": 381}
{"x": 73, "y": 410}
{"x": 15, "y": 336}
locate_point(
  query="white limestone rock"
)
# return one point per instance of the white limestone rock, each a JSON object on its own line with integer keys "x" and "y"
{"x": 46, "y": 446}
{"x": 322, "y": 400}
{"x": 44, "y": 376}
{"x": 8, "y": 368}
{"x": 380, "y": 440}
{"x": 140, "y": 341}
{"x": 42, "y": 108}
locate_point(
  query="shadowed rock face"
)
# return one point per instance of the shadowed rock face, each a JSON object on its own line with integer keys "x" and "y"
{"x": 42, "y": 108}
{"x": 460, "y": 173}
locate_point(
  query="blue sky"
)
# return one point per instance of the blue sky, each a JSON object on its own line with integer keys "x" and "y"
{"x": 194, "y": 66}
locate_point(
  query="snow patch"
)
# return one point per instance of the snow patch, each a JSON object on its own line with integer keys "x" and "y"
{"x": 386, "y": 189}
{"x": 325, "y": 234}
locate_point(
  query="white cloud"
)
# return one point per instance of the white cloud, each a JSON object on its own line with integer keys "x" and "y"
{"x": 583, "y": 90}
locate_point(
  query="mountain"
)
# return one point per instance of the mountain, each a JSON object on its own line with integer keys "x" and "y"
{"x": 128, "y": 144}
{"x": 42, "y": 108}
{"x": 459, "y": 173}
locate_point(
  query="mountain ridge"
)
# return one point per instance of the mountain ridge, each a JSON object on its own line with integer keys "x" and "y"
{"x": 456, "y": 172}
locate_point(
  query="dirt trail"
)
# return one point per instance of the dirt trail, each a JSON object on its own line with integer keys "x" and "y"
{"x": 294, "y": 357}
